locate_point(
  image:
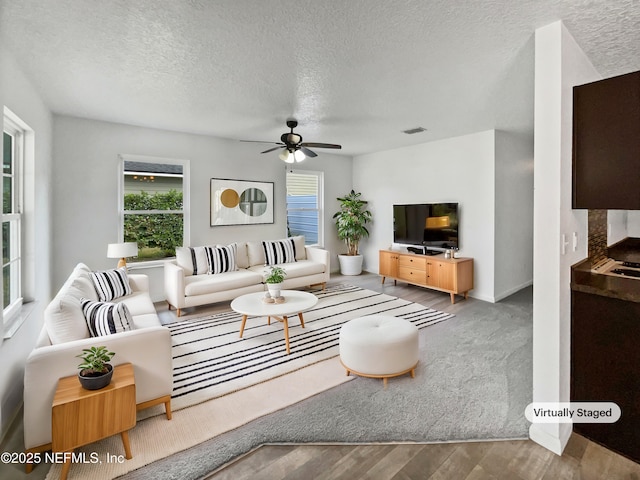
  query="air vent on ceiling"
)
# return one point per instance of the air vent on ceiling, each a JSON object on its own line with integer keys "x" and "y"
{"x": 411, "y": 131}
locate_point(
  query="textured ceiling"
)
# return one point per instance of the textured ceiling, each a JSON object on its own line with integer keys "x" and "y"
{"x": 354, "y": 72}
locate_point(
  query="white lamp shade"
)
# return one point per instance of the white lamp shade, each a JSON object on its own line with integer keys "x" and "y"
{"x": 286, "y": 156}
{"x": 122, "y": 250}
{"x": 299, "y": 155}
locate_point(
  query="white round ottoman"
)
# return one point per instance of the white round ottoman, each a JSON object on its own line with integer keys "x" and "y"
{"x": 379, "y": 346}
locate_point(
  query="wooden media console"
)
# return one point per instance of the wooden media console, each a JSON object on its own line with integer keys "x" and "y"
{"x": 451, "y": 275}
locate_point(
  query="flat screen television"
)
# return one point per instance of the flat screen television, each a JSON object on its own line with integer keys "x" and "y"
{"x": 431, "y": 225}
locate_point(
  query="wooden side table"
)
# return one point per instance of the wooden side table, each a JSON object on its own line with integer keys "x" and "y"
{"x": 80, "y": 416}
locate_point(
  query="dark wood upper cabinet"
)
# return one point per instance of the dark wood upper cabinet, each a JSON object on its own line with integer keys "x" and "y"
{"x": 606, "y": 144}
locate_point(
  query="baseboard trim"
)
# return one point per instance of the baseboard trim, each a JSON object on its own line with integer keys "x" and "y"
{"x": 551, "y": 442}
{"x": 513, "y": 290}
{"x": 484, "y": 298}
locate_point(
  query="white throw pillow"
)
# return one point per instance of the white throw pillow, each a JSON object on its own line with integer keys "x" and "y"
{"x": 111, "y": 284}
{"x": 301, "y": 251}
{"x": 105, "y": 318}
{"x": 183, "y": 259}
{"x": 242, "y": 255}
{"x": 82, "y": 286}
{"x": 64, "y": 320}
{"x": 81, "y": 268}
{"x": 255, "y": 252}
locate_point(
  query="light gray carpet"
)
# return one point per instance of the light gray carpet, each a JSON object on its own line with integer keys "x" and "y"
{"x": 473, "y": 382}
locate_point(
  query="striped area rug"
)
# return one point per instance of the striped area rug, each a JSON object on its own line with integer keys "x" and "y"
{"x": 210, "y": 360}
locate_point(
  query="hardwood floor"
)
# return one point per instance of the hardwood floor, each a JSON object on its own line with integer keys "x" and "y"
{"x": 512, "y": 460}
{"x": 503, "y": 460}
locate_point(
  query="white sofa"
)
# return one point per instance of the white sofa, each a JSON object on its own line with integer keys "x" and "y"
{"x": 63, "y": 336}
{"x": 184, "y": 289}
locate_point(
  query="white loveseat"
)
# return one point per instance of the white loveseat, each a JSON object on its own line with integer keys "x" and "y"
{"x": 184, "y": 289}
{"x": 63, "y": 336}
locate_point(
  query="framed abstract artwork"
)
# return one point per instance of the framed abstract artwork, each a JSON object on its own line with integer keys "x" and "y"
{"x": 240, "y": 202}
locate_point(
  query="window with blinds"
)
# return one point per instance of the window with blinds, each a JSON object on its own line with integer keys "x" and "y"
{"x": 304, "y": 206}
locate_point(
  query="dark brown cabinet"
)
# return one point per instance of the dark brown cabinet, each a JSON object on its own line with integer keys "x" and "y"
{"x": 605, "y": 367}
{"x": 606, "y": 144}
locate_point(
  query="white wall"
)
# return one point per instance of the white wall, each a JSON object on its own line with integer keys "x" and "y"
{"x": 17, "y": 93}
{"x": 559, "y": 65}
{"x": 459, "y": 170}
{"x": 85, "y": 197}
{"x": 617, "y": 226}
{"x": 633, "y": 223}
{"x": 514, "y": 213}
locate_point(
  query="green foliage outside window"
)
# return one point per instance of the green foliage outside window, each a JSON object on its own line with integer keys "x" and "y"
{"x": 157, "y": 234}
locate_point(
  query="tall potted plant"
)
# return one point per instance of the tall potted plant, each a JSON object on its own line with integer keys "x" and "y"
{"x": 351, "y": 222}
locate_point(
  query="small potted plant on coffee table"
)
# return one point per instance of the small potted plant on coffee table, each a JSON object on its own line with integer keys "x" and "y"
{"x": 274, "y": 279}
{"x": 95, "y": 369}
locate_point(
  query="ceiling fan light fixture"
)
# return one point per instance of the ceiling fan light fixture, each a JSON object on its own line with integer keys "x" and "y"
{"x": 299, "y": 155}
{"x": 286, "y": 156}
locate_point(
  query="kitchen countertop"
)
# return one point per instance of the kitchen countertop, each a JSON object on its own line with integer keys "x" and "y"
{"x": 584, "y": 280}
{"x": 621, "y": 288}
{"x": 627, "y": 250}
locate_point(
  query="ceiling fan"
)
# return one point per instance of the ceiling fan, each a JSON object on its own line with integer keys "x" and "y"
{"x": 293, "y": 148}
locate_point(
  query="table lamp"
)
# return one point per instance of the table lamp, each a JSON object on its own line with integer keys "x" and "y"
{"x": 122, "y": 251}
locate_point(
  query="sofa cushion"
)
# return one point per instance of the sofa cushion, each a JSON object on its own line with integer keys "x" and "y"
{"x": 64, "y": 320}
{"x": 295, "y": 269}
{"x": 104, "y": 318}
{"x": 279, "y": 251}
{"x": 301, "y": 251}
{"x": 255, "y": 252}
{"x": 83, "y": 287}
{"x": 242, "y": 256}
{"x": 80, "y": 268}
{"x": 111, "y": 284}
{"x": 221, "y": 259}
{"x": 145, "y": 321}
{"x": 138, "y": 303}
{"x": 183, "y": 259}
{"x": 193, "y": 260}
{"x": 198, "y": 285}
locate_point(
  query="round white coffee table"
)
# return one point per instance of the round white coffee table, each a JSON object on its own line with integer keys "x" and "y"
{"x": 296, "y": 302}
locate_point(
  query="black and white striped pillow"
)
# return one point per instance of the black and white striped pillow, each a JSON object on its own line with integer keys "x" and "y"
{"x": 111, "y": 284}
{"x": 199, "y": 260}
{"x": 280, "y": 251}
{"x": 222, "y": 259}
{"x": 106, "y": 318}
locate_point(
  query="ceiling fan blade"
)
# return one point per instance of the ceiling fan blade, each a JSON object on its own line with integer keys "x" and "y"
{"x": 260, "y": 141}
{"x": 308, "y": 152}
{"x": 272, "y": 149}
{"x": 320, "y": 145}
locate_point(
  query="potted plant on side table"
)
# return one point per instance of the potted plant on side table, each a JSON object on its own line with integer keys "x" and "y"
{"x": 350, "y": 221}
{"x": 275, "y": 277}
{"x": 95, "y": 370}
